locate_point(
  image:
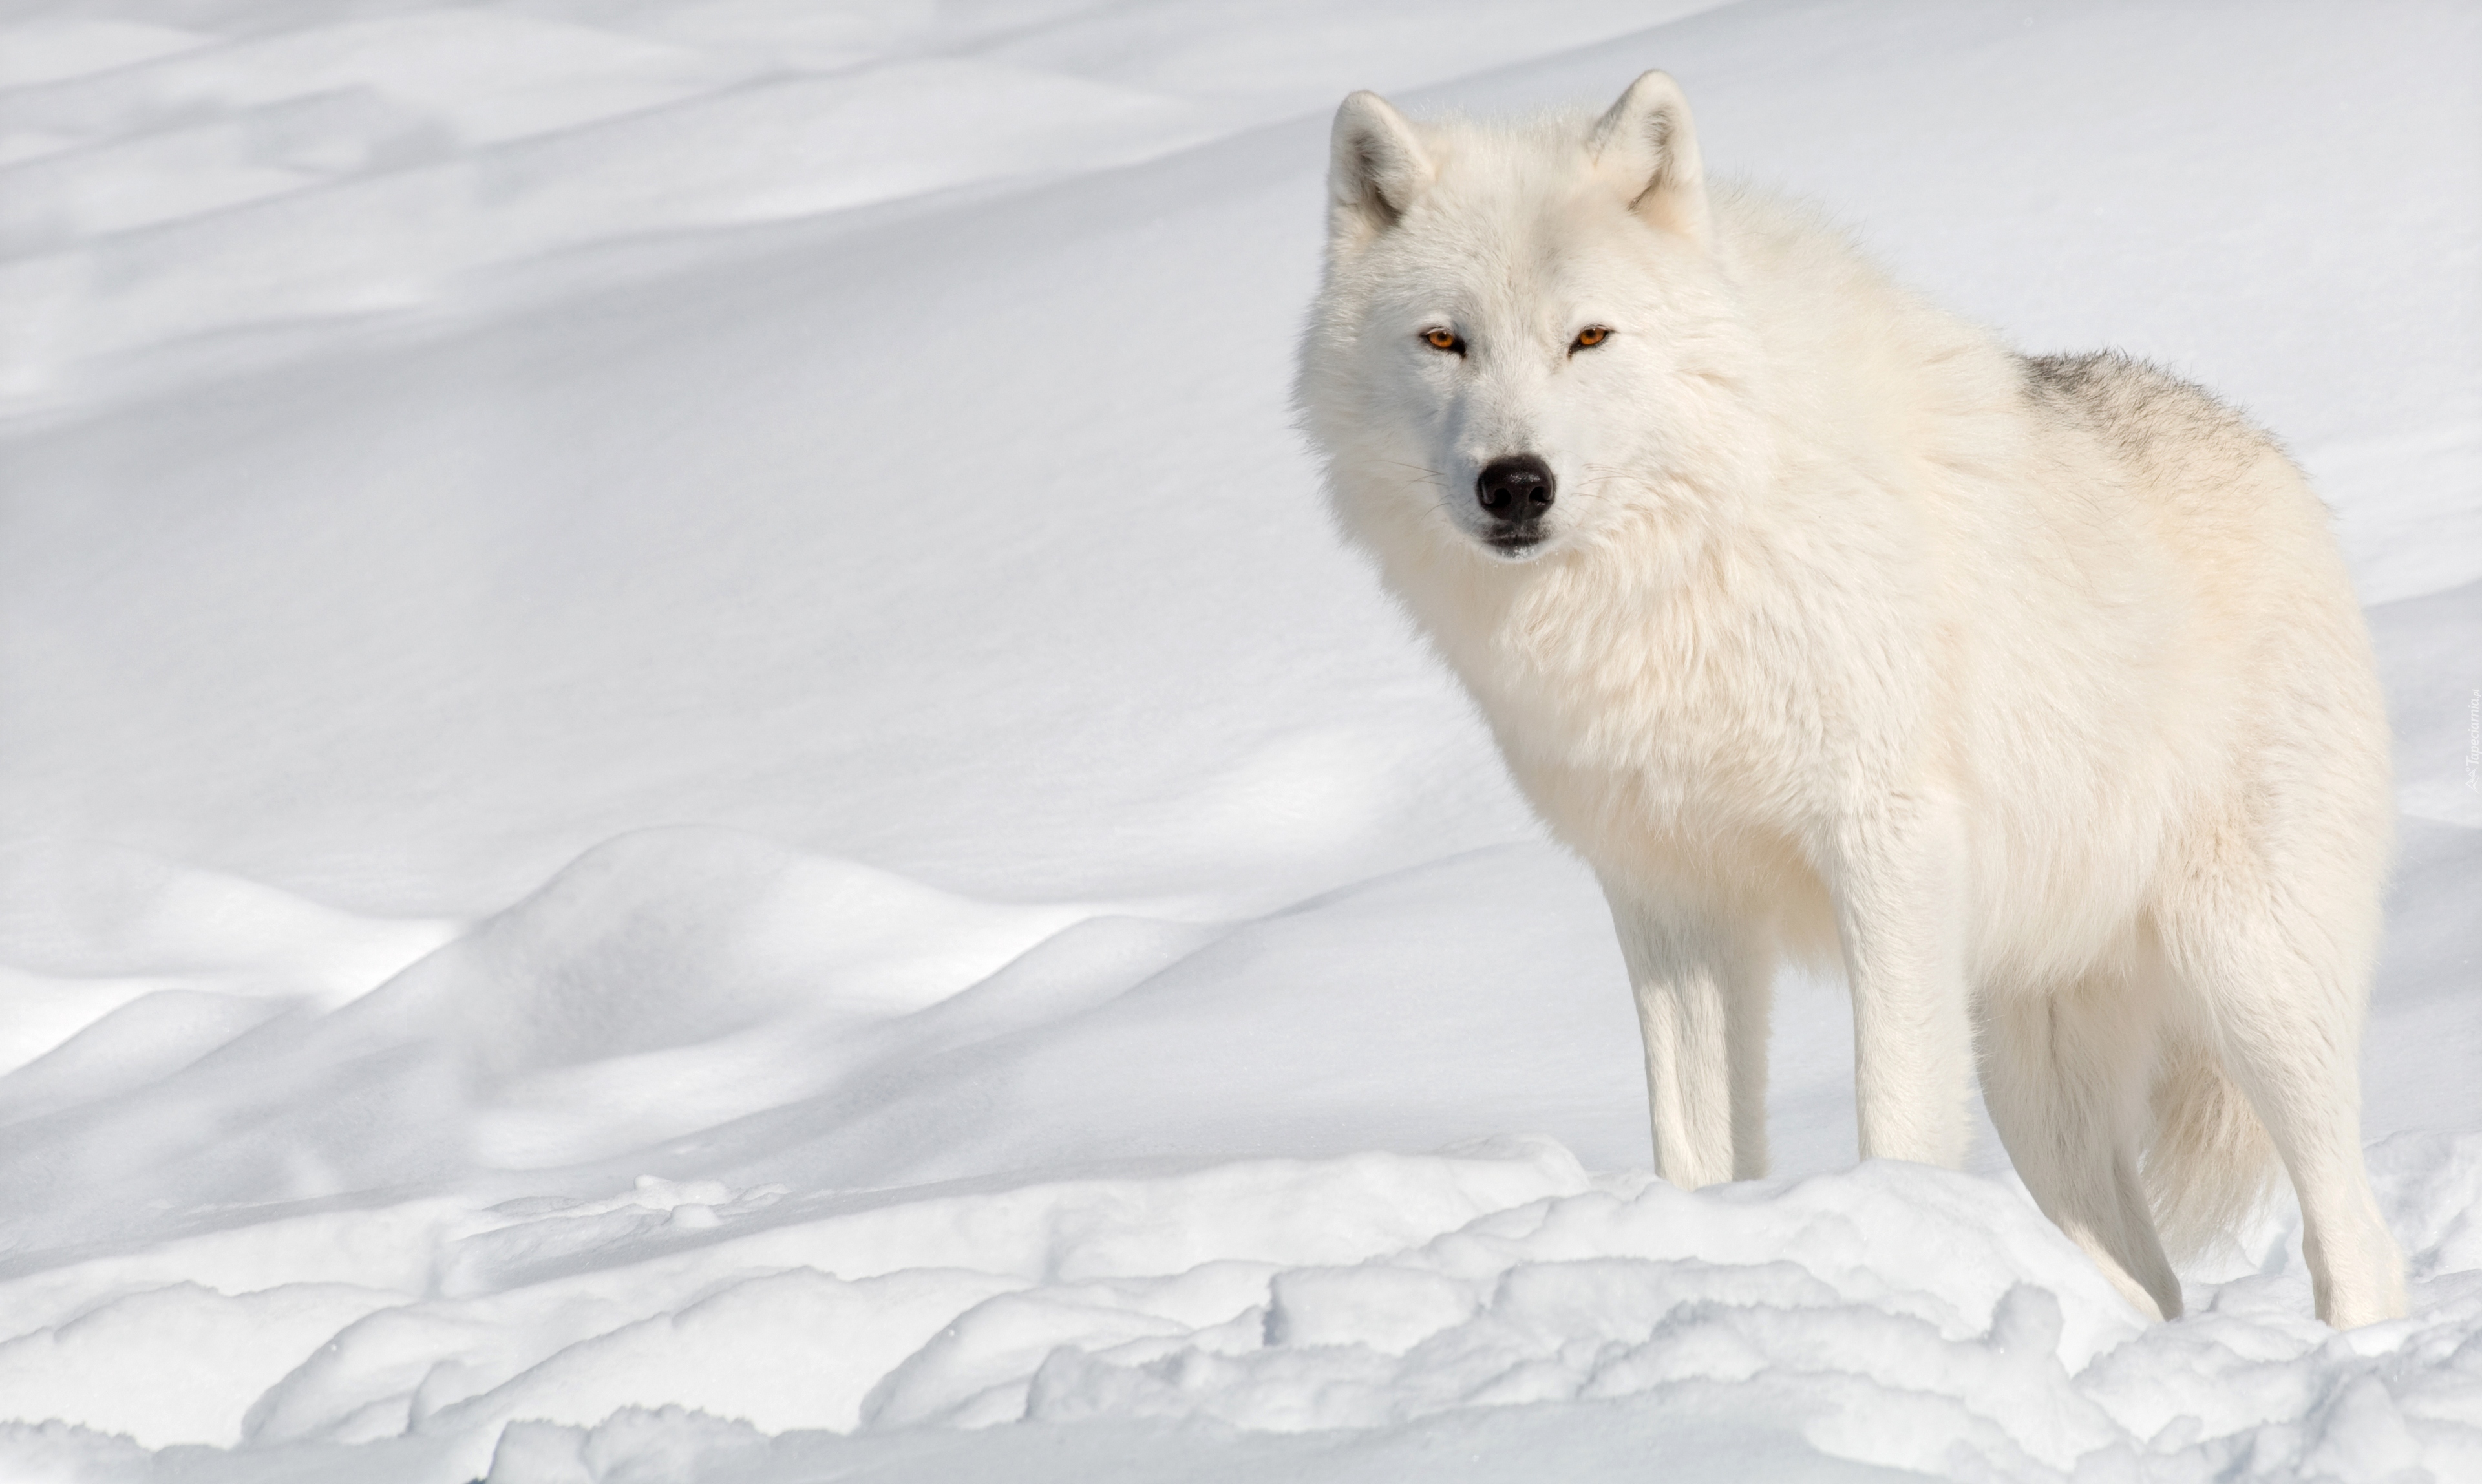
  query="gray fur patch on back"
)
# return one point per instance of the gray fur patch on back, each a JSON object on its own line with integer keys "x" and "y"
{"x": 2138, "y": 407}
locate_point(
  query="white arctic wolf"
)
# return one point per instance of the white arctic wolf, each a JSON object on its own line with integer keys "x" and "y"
{"x": 1819, "y": 622}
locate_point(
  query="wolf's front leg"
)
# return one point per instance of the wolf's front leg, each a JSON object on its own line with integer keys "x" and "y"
{"x": 1900, "y": 913}
{"x": 1701, "y": 982}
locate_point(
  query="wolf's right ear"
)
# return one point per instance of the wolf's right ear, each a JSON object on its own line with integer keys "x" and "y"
{"x": 1649, "y": 150}
{"x": 1376, "y": 168}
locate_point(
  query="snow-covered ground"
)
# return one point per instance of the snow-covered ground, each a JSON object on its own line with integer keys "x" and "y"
{"x": 689, "y": 788}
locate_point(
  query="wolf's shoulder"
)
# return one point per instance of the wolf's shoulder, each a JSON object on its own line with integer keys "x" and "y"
{"x": 2136, "y": 405}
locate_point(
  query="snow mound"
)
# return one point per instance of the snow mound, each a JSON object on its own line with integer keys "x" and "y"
{"x": 83, "y": 912}
{"x": 538, "y": 1037}
{"x": 668, "y": 937}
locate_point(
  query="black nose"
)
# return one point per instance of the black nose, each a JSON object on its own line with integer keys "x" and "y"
{"x": 1517, "y": 488}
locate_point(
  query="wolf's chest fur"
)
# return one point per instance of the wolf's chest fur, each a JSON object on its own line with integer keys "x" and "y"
{"x": 1690, "y": 709}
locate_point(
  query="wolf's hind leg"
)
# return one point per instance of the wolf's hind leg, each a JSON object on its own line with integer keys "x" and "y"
{"x": 2066, "y": 1075}
{"x": 2287, "y": 1000}
{"x": 1703, "y": 983}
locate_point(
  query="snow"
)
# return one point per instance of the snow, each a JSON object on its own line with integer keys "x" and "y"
{"x": 688, "y": 788}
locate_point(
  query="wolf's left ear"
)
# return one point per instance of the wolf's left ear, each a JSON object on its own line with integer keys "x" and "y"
{"x": 1648, "y": 147}
{"x": 1376, "y": 168}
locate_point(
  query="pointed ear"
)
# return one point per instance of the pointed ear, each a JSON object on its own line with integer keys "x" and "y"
{"x": 1647, "y": 147}
{"x": 1376, "y": 168}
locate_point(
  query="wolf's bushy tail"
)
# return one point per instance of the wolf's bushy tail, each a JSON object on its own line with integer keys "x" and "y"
{"x": 2212, "y": 1163}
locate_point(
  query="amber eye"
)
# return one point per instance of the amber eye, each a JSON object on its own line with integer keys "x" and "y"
{"x": 1591, "y": 336}
{"x": 1440, "y": 339}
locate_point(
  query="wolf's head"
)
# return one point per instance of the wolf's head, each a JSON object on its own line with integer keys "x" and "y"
{"x": 1521, "y": 329}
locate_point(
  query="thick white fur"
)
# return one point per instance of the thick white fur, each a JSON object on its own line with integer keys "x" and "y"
{"x": 2034, "y": 691}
